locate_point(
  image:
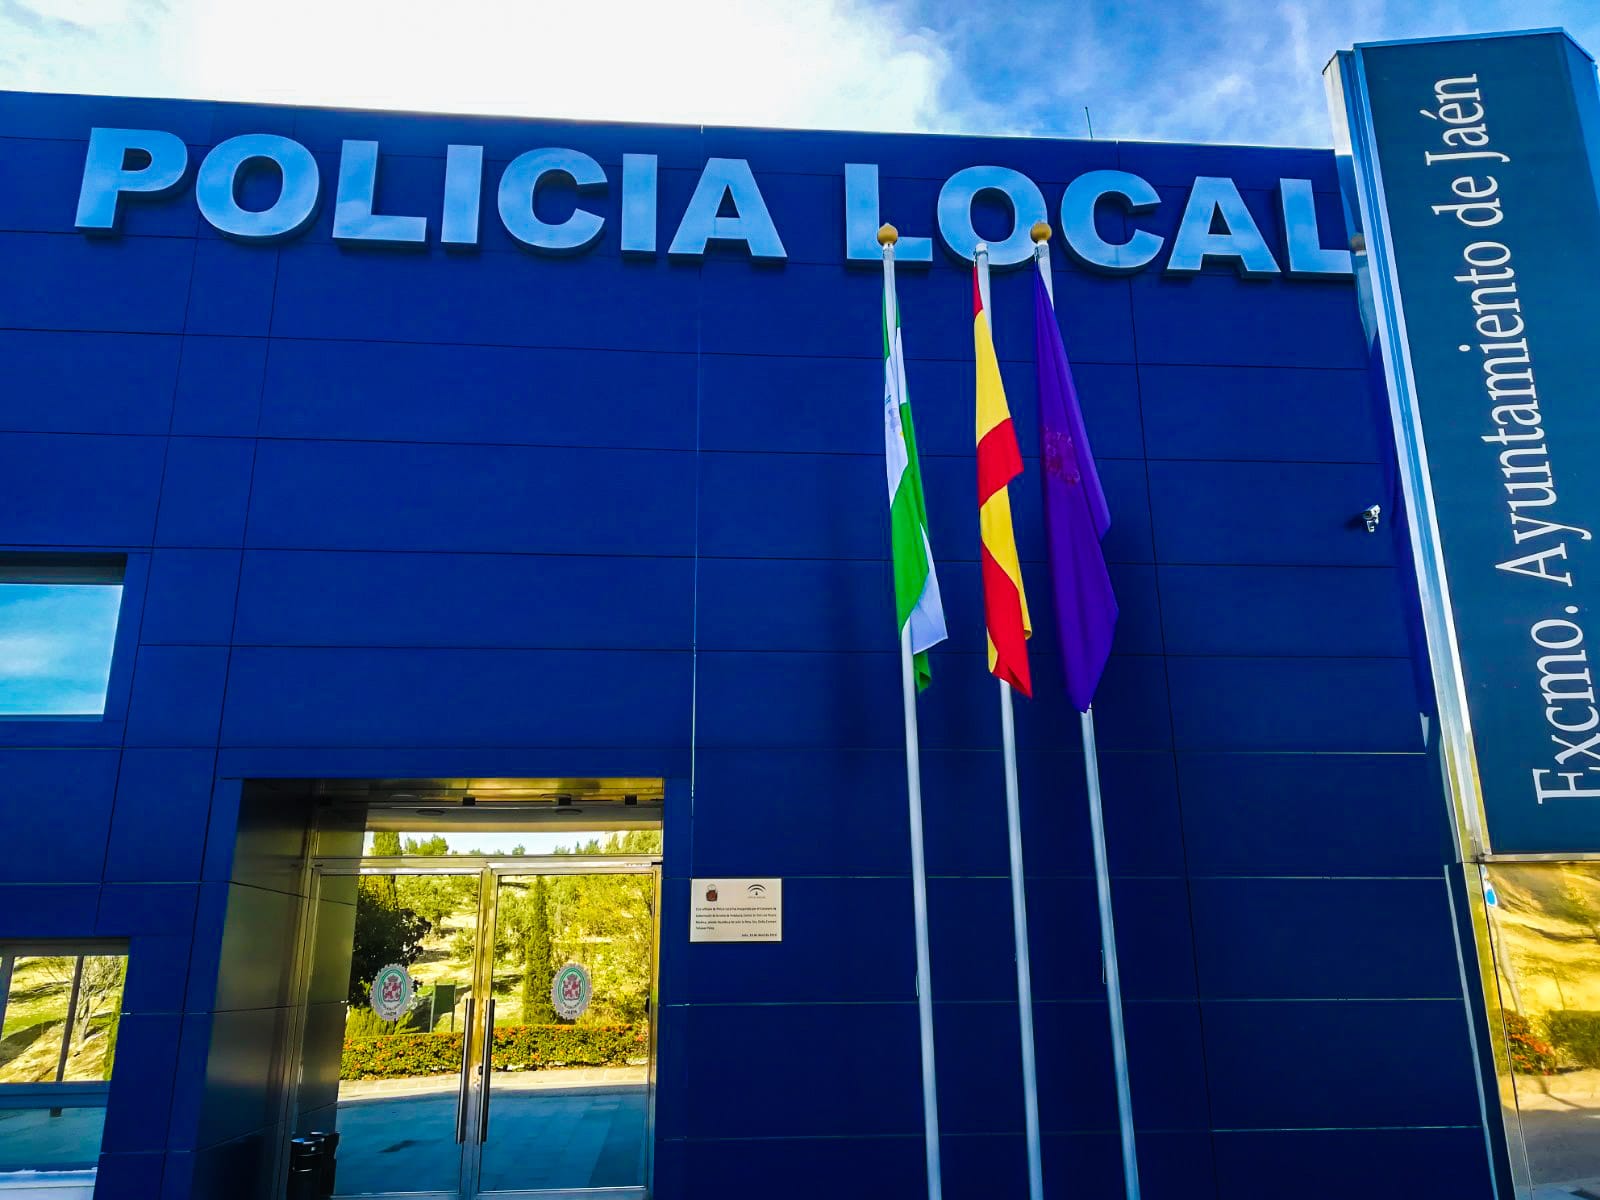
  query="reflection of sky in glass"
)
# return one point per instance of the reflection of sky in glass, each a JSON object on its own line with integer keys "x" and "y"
{"x": 55, "y": 647}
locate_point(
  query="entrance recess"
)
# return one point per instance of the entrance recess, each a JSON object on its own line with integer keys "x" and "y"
{"x": 519, "y": 1060}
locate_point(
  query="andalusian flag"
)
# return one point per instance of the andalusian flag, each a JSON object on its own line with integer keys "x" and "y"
{"x": 916, "y": 586}
{"x": 1005, "y": 605}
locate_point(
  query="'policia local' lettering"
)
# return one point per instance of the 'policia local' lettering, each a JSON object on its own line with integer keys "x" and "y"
{"x": 727, "y": 207}
{"x": 1526, "y": 475}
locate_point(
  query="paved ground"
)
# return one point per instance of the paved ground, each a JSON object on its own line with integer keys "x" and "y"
{"x": 545, "y": 1136}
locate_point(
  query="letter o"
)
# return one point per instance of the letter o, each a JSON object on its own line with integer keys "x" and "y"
{"x": 1542, "y": 625}
{"x": 955, "y": 213}
{"x": 291, "y": 212}
{"x": 1505, "y": 254}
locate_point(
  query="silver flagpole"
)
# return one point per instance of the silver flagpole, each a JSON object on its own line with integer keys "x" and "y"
{"x": 1102, "y": 883}
{"x": 1019, "y": 898}
{"x": 887, "y": 236}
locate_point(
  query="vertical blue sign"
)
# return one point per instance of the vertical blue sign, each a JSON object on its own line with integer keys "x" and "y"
{"x": 1473, "y": 164}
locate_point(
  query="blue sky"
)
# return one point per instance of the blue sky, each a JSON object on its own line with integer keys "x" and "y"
{"x": 55, "y": 646}
{"x": 1200, "y": 70}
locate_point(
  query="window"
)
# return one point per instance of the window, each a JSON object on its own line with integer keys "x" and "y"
{"x": 60, "y": 1005}
{"x": 58, "y": 626}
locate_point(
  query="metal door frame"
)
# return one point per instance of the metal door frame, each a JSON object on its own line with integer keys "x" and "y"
{"x": 476, "y": 1083}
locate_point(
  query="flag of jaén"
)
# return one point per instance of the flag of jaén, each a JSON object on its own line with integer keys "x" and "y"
{"x": 1075, "y": 514}
{"x": 916, "y": 583}
{"x": 1005, "y": 604}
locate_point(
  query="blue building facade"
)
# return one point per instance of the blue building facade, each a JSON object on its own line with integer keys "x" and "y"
{"x": 396, "y": 513}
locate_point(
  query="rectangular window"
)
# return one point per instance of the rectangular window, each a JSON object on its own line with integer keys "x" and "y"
{"x": 60, "y": 1005}
{"x": 58, "y": 626}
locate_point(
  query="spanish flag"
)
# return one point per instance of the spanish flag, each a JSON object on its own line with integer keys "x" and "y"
{"x": 1005, "y": 605}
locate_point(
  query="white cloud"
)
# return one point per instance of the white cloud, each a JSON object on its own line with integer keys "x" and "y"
{"x": 808, "y": 63}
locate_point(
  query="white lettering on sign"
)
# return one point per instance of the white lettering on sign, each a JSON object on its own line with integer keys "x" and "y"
{"x": 736, "y": 910}
{"x": 1539, "y": 542}
{"x": 727, "y": 207}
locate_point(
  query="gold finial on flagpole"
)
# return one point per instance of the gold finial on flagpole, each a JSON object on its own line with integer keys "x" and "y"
{"x": 1040, "y": 232}
{"x": 888, "y": 235}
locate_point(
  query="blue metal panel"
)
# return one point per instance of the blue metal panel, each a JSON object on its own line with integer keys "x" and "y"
{"x": 219, "y": 386}
{"x": 1318, "y": 938}
{"x": 1282, "y": 611}
{"x": 126, "y": 285}
{"x": 1287, "y": 414}
{"x": 1365, "y": 704}
{"x": 1278, "y": 814}
{"x": 1362, "y": 1071}
{"x": 165, "y": 790}
{"x": 1251, "y": 1163}
{"x": 498, "y": 394}
{"x": 37, "y": 910}
{"x": 866, "y": 1094}
{"x": 822, "y": 921}
{"x": 177, "y": 696}
{"x": 322, "y": 697}
{"x": 302, "y": 598}
{"x": 1216, "y": 320}
{"x": 205, "y": 491}
{"x": 1250, "y": 516}
{"x": 140, "y": 1103}
{"x": 158, "y": 975}
{"x": 231, "y": 291}
{"x": 191, "y": 593}
{"x": 130, "y": 909}
{"x": 526, "y": 499}
{"x": 588, "y": 303}
{"x": 50, "y": 489}
{"x": 49, "y": 841}
{"x": 129, "y": 1174}
{"x": 87, "y": 383}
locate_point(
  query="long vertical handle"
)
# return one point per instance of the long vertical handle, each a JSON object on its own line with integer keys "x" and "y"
{"x": 487, "y": 1067}
{"x": 461, "y": 1088}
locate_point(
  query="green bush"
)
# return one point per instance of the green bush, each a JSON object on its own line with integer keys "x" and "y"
{"x": 1576, "y": 1035}
{"x": 401, "y": 1056}
{"x": 515, "y": 1048}
{"x": 1529, "y": 1055}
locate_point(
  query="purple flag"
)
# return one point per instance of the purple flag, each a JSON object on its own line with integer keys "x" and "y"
{"x": 1075, "y": 514}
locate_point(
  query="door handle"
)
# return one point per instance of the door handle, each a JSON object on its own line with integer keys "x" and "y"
{"x": 461, "y": 1088}
{"x": 487, "y": 1067}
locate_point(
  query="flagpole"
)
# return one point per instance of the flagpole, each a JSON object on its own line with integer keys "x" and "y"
{"x": 887, "y": 236}
{"x": 1019, "y": 899}
{"x": 1102, "y": 871}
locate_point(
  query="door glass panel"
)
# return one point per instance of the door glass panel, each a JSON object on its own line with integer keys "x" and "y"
{"x": 572, "y": 977}
{"x": 1545, "y": 923}
{"x": 389, "y": 1080}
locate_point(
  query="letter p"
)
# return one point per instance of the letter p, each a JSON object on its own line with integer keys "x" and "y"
{"x": 107, "y": 173}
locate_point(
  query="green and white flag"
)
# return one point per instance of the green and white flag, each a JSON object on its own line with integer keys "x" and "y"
{"x": 916, "y": 585}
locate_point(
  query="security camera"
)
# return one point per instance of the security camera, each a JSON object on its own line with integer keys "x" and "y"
{"x": 1369, "y": 517}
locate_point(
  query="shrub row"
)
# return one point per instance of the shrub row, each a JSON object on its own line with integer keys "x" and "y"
{"x": 1530, "y": 1055}
{"x": 1576, "y": 1034}
{"x": 515, "y": 1048}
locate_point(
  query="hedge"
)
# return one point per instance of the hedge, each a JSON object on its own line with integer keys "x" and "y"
{"x": 515, "y": 1048}
{"x": 1576, "y": 1034}
{"x": 1529, "y": 1054}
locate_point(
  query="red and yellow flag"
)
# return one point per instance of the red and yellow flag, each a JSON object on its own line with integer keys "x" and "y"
{"x": 1005, "y": 604}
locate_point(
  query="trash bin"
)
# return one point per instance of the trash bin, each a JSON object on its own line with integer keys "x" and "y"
{"x": 305, "y": 1169}
{"x": 328, "y": 1143}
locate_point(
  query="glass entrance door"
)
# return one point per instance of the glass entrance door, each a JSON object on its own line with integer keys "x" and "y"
{"x": 572, "y": 975}
{"x": 387, "y": 1029}
{"x": 482, "y": 1029}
